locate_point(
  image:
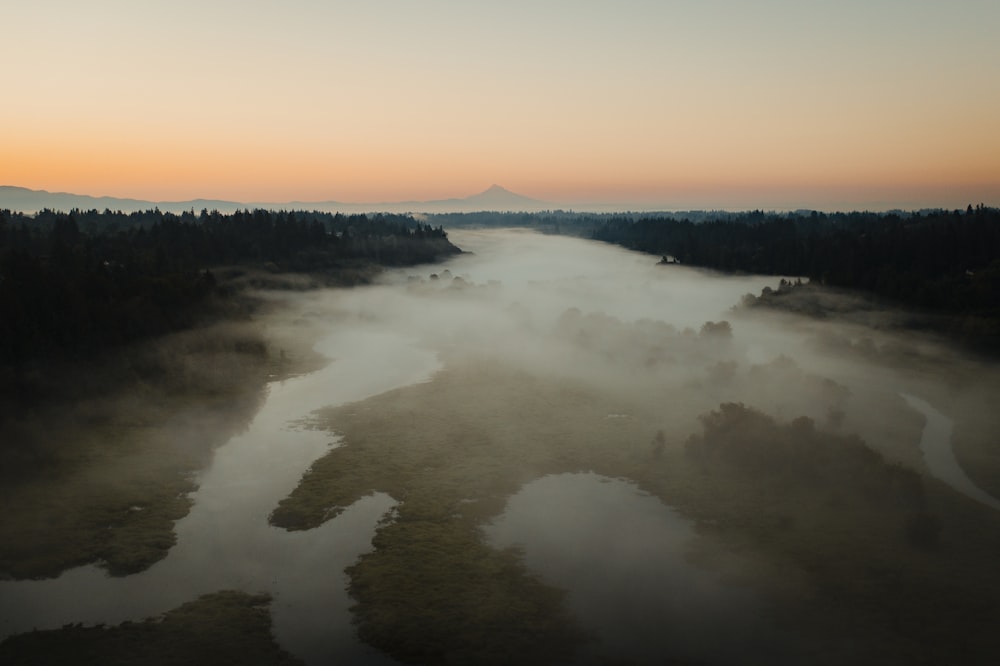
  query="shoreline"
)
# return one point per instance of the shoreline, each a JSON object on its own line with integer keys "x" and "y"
{"x": 815, "y": 549}
{"x": 102, "y": 476}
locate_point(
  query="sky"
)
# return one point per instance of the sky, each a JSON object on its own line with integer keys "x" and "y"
{"x": 775, "y": 104}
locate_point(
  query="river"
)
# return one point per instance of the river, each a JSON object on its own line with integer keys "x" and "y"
{"x": 935, "y": 443}
{"x": 515, "y": 285}
{"x": 225, "y": 542}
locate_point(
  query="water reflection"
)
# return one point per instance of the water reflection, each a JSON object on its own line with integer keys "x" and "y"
{"x": 935, "y": 444}
{"x": 225, "y": 541}
{"x": 624, "y": 558}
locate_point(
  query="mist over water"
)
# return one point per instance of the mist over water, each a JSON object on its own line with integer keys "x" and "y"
{"x": 225, "y": 541}
{"x": 625, "y": 557}
{"x": 554, "y": 307}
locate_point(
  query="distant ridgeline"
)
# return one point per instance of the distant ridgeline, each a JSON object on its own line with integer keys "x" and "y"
{"x": 75, "y": 282}
{"x": 944, "y": 261}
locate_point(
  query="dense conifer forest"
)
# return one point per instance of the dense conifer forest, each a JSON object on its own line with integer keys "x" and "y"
{"x": 78, "y": 282}
{"x": 944, "y": 262}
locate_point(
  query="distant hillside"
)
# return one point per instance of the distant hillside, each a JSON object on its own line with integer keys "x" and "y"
{"x": 23, "y": 200}
{"x": 495, "y": 198}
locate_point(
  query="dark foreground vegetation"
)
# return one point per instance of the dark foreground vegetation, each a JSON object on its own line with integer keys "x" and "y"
{"x": 942, "y": 262}
{"x": 855, "y": 554}
{"x": 865, "y": 553}
{"x": 220, "y": 628}
{"x": 127, "y": 354}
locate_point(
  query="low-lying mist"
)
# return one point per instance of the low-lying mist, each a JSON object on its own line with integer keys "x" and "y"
{"x": 785, "y": 434}
{"x": 573, "y": 308}
{"x": 589, "y": 457}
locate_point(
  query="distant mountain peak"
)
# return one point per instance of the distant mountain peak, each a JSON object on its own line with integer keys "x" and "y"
{"x": 499, "y": 194}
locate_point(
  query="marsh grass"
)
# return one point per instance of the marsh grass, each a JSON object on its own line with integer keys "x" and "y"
{"x": 101, "y": 474}
{"x": 452, "y": 452}
{"x": 101, "y": 468}
{"x": 433, "y": 592}
{"x": 216, "y": 629}
{"x": 810, "y": 518}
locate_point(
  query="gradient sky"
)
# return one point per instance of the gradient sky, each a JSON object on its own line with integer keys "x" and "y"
{"x": 684, "y": 103}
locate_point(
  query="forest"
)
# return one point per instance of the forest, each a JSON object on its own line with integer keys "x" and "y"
{"x": 75, "y": 283}
{"x": 944, "y": 263}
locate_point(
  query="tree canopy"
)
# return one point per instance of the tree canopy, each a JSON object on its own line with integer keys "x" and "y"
{"x": 75, "y": 282}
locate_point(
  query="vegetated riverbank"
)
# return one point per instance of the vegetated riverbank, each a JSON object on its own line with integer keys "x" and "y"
{"x": 99, "y": 454}
{"x": 942, "y": 262}
{"x": 131, "y": 379}
{"x": 855, "y": 553}
{"x": 217, "y": 629}
{"x": 527, "y": 391}
{"x": 131, "y": 346}
{"x": 919, "y": 345}
{"x": 972, "y": 330}
{"x": 100, "y": 470}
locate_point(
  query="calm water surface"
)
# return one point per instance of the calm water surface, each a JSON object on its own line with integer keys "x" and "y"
{"x": 225, "y": 542}
{"x": 623, "y": 556}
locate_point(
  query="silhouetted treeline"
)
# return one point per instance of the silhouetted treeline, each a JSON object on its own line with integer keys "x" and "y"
{"x": 551, "y": 222}
{"x": 942, "y": 260}
{"x": 76, "y": 282}
{"x": 565, "y": 222}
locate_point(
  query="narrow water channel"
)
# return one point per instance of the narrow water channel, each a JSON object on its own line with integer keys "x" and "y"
{"x": 225, "y": 542}
{"x": 935, "y": 443}
{"x": 623, "y": 557}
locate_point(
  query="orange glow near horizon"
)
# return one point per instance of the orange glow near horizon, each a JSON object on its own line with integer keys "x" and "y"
{"x": 638, "y": 103}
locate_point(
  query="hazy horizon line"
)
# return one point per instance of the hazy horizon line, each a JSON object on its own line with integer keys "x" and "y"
{"x": 499, "y": 197}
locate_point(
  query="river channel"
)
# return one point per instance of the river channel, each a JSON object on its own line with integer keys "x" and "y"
{"x": 568, "y": 525}
{"x": 225, "y": 542}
